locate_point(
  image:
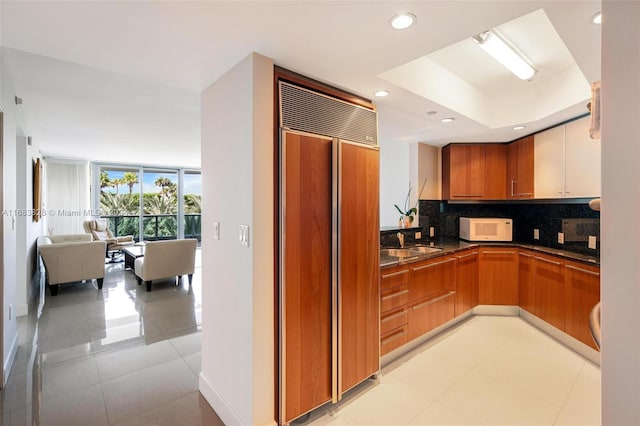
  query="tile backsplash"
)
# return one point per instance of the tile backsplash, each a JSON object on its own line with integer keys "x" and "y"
{"x": 574, "y": 220}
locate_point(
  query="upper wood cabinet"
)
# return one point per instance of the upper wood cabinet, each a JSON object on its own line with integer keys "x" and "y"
{"x": 520, "y": 169}
{"x": 474, "y": 172}
{"x": 567, "y": 162}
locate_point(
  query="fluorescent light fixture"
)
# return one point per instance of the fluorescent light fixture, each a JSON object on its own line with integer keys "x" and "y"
{"x": 597, "y": 18}
{"x": 403, "y": 21}
{"x": 518, "y": 127}
{"x": 381, "y": 93}
{"x": 447, "y": 120}
{"x": 502, "y": 51}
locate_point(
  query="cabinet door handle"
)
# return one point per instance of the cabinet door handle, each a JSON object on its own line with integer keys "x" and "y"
{"x": 467, "y": 195}
{"x": 393, "y": 337}
{"x": 513, "y": 192}
{"x": 419, "y": 268}
{"x": 396, "y": 315}
{"x": 432, "y": 301}
{"x": 586, "y": 271}
{"x": 500, "y": 252}
{"x": 524, "y": 254}
{"x": 391, "y": 296}
{"x": 542, "y": 259}
{"x": 395, "y": 274}
{"x": 467, "y": 255}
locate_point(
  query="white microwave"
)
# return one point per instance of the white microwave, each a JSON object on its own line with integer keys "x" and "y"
{"x": 486, "y": 229}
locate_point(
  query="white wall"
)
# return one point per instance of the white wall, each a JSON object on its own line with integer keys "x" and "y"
{"x": 237, "y": 179}
{"x": 620, "y": 216}
{"x": 425, "y": 163}
{"x": 394, "y": 180}
{"x": 10, "y": 336}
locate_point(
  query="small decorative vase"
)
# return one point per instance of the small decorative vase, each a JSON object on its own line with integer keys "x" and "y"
{"x": 407, "y": 222}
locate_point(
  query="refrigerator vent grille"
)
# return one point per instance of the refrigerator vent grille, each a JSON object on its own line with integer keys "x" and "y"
{"x": 308, "y": 111}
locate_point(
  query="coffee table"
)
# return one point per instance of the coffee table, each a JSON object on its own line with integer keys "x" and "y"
{"x": 131, "y": 253}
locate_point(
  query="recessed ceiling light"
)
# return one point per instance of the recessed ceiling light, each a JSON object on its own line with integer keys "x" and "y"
{"x": 597, "y": 18}
{"x": 403, "y": 21}
{"x": 432, "y": 112}
{"x": 381, "y": 93}
{"x": 518, "y": 127}
{"x": 447, "y": 120}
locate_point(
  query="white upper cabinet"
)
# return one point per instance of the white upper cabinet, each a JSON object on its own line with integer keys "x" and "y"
{"x": 567, "y": 162}
{"x": 548, "y": 161}
{"x": 582, "y": 161}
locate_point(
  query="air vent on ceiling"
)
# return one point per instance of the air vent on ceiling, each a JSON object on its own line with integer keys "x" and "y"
{"x": 308, "y": 111}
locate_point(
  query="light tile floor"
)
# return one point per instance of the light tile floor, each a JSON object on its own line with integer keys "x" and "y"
{"x": 120, "y": 356}
{"x": 486, "y": 371}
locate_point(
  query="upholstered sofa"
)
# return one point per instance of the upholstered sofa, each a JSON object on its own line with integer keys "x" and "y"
{"x": 166, "y": 259}
{"x": 70, "y": 258}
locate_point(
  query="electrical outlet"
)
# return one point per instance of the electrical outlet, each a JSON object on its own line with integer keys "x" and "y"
{"x": 418, "y": 235}
{"x": 560, "y": 238}
{"x": 432, "y": 232}
{"x": 536, "y": 234}
{"x": 243, "y": 235}
{"x": 592, "y": 242}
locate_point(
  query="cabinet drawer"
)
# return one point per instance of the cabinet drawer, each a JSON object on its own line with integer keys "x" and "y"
{"x": 394, "y": 298}
{"x": 394, "y": 277}
{"x": 393, "y": 319}
{"x": 393, "y": 339}
{"x": 428, "y": 314}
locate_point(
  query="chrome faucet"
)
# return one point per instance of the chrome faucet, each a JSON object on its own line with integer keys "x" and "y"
{"x": 400, "y": 236}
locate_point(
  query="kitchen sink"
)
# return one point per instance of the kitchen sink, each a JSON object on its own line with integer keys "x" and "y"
{"x": 404, "y": 253}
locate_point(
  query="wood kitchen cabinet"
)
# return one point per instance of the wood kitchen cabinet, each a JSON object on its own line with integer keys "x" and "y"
{"x": 520, "y": 169}
{"x": 429, "y": 313}
{"x": 498, "y": 276}
{"x": 582, "y": 285}
{"x": 463, "y": 171}
{"x": 394, "y": 295}
{"x": 466, "y": 281}
{"x": 526, "y": 281}
{"x": 550, "y": 304}
{"x": 474, "y": 172}
{"x": 432, "y": 286}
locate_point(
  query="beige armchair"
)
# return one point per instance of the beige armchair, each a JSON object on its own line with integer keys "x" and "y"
{"x": 99, "y": 229}
{"x": 165, "y": 259}
{"x": 71, "y": 258}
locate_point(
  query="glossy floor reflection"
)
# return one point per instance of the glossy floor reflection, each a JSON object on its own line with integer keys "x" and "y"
{"x": 120, "y": 356}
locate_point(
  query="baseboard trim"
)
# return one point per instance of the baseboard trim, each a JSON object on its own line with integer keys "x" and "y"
{"x": 434, "y": 335}
{"x": 219, "y": 405}
{"x": 497, "y": 310}
{"x": 570, "y": 342}
{"x": 6, "y": 369}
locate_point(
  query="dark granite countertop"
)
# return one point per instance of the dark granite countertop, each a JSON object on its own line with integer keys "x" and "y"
{"x": 453, "y": 246}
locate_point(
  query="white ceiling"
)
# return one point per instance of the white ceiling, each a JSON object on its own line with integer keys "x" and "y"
{"x": 120, "y": 81}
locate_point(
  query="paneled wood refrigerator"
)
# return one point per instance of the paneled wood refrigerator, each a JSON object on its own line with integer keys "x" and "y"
{"x": 329, "y": 268}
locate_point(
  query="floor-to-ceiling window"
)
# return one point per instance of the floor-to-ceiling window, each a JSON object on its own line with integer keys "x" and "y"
{"x": 150, "y": 203}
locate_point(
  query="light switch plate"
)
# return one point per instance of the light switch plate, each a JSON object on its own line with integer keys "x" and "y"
{"x": 243, "y": 235}
{"x": 536, "y": 234}
{"x": 216, "y": 230}
{"x": 560, "y": 238}
{"x": 592, "y": 242}
{"x": 418, "y": 235}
